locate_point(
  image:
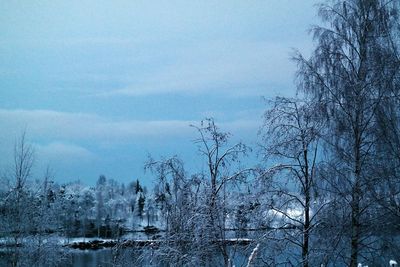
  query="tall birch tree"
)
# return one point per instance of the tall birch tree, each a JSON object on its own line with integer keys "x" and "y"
{"x": 353, "y": 72}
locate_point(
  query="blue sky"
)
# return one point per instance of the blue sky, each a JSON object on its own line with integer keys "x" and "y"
{"x": 100, "y": 85}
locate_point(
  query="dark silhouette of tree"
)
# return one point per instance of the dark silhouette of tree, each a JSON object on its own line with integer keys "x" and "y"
{"x": 290, "y": 135}
{"x": 353, "y": 72}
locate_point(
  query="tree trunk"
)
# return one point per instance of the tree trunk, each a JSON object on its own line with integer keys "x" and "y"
{"x": 355, "y": 203}
{"x": 307, "y": 195}
{"x": 306, "y": 231}
{"x": 355, "y": 222}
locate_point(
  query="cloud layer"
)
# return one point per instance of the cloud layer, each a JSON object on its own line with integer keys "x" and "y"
{"x": 49, "y": 124}
{"x": 97, "y": 85}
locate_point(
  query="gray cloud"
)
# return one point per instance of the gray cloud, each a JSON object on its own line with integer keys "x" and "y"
{"x": 231, "y": 68}
{"x": 81, "y": 126}
{"x": 54, "y": 125}
{"x": 60, "y": 151}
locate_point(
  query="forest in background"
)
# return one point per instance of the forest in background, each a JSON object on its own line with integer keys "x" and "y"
{"x": 326, "y": 190}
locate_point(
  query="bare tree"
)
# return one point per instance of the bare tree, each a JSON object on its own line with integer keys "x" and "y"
{"x": 220, "y": 158}
{"x": 290, "y": 135}
{"x": 179, "y": 198}
{"x": 353, "y": 72}
{"x": 17, "y": 202}
{"x": 194, "y": 207}
{"x": 23, "y": 162}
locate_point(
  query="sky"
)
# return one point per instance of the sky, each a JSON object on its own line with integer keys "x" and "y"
{"x": 98, "y": 86}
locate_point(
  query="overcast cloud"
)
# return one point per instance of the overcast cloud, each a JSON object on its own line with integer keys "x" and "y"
{"x": 99, "y": 85}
